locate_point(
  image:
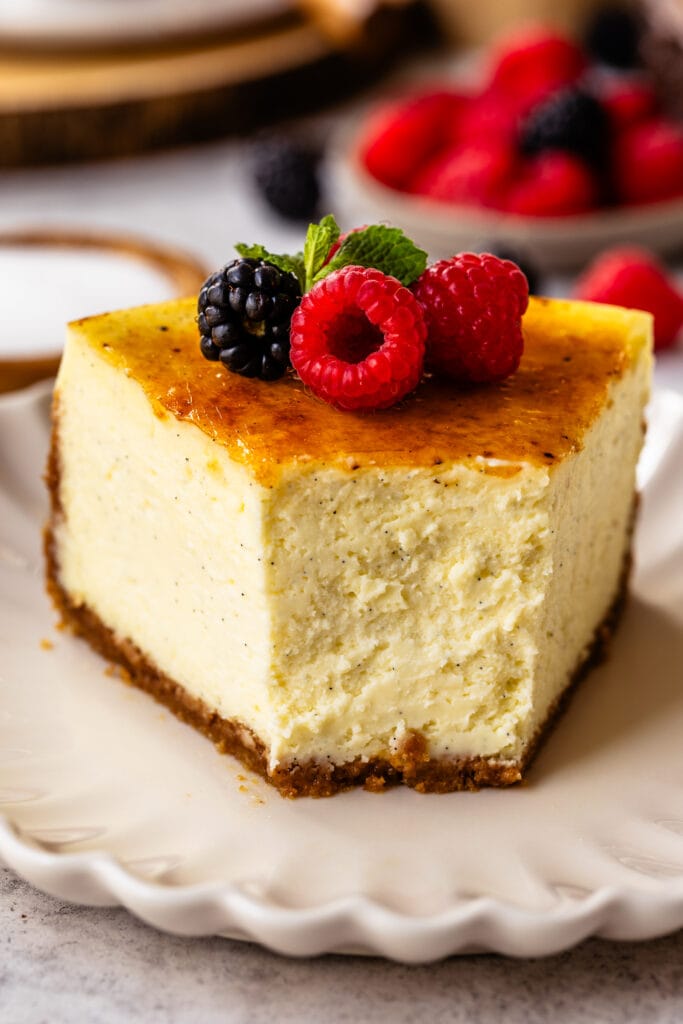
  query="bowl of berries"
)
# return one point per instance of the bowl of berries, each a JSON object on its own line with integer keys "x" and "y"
{"x": 548, "y": 150}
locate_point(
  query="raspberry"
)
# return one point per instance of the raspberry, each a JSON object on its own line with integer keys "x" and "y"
{"x": 358, "y": 339}
{"x": 473, "y": 308}
{"x": 401, "y": 138}
{"x": 629, "y": 276}
{"x": 553, "y": 185}
{"x": 628, "y": 100}
{"x": 525, "y": 263}
{"x": 476, "y": 173}
{"x": 570, "y": 120}
{"x": 648, "y": 161}
{"x": 533, "y": 61}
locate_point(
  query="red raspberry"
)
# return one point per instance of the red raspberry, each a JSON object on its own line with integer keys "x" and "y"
{"x": 477, "y": 173}
{"x": 473, "y": 307}
{"x": 533, "y": 61}
{"x": 648, "y": 161}
{"x": 400, "y": 138}
{"x": 628, "y": 100}
{"x": 358, "y": 339}
{"x": 629, "y": 276}
{"x": 553, "y": 184}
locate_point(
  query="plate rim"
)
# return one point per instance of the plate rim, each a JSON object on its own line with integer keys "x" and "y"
{"x": 357, "y": 922}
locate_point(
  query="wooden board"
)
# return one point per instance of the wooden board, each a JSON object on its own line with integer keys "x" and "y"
{"x": 57, "y": 106}
{"x": 104, "y": 24}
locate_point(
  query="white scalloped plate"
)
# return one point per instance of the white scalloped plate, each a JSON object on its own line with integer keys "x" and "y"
{"x": 109, "y": 800}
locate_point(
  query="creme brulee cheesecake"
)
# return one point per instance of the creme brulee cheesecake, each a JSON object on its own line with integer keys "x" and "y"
{"x": 342, "y": 598}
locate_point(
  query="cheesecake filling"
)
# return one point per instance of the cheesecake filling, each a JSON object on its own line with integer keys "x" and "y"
{"x": 337, "y": 612}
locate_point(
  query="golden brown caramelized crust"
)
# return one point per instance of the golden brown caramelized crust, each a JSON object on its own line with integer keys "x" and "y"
{"x": 539, "y": 415}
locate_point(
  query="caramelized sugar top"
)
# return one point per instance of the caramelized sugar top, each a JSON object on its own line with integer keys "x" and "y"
{"x": 539, "y": 415}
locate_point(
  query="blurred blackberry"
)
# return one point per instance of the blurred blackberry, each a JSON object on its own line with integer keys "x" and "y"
{"x": 612, "y": 36}
{"x": 286, "y": 175}
{"x": 245, "y": 311}
{"x": 525, "y": 264}
{"x": 571, "y": 120}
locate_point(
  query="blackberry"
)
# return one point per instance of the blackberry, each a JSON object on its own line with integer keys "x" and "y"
{"x": 571, "y": 120}
{"x": 244, "y": 315}
{"x": 612, "y": 36}
{"x": 523, "y": 261}
{"x": 286, "y": 175}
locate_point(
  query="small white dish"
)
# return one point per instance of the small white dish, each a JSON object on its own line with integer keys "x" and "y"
{"x": 60, "y": 274}
{"x": 555, "y": 243}
{"x": 107, "y": 799}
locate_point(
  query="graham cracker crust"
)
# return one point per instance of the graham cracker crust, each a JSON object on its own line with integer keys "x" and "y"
{"x": 410, "y": 765}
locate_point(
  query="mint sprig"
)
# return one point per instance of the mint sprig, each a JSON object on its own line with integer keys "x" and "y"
{"x": 290, "y": 264}
{"x": 387, "y": 249}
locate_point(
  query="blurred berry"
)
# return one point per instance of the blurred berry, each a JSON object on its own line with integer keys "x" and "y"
{"x": 533, "y": 60}
{"x": 401, "y": 137}
{"x": 553, "y": 185}
{"x": 612, "y": 36}
{"x": 648, "y": 161}
{"x": 570, "y": 120}
{"x": 634, "y": 277}
{"x": 286, "y": 174}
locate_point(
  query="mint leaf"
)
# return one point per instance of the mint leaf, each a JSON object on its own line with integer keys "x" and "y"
{"x": 290, "y": 264}
{"x": 386, "y": 249}
{"x": 319, "y": 240}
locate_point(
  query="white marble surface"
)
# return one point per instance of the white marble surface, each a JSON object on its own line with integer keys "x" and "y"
{"x": 61, "y": 963}
{"x": 66, "y": 963}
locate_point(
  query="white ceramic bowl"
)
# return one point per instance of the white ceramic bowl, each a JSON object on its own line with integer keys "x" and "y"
{"x": 555, "y": 243}
{"x": 80, "y": 273}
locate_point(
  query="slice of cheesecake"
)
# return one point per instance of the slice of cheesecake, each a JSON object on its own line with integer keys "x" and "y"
{"x": 340, "y": 599}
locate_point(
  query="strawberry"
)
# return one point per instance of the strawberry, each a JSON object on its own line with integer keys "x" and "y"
{"x": 633, "y": 277}
{"x": 488, "y": 116}
{"x": 553, "y": 184}
{"x": 648, "y": 161}
{"x": 477, "y": 173}
{"x": 400, "y": 138}
{"x": 532, "y": 61}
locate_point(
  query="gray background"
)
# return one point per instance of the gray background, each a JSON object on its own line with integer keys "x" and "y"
{"x": 61, "y": 963}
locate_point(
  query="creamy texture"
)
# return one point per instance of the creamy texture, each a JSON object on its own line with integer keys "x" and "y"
{"x": 337, "y": 604}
